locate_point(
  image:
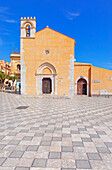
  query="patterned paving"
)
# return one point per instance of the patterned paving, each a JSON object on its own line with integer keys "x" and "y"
{"x": 55, "y": 134}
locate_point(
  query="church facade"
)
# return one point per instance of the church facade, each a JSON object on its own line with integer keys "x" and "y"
{"x": 48, "y": 65}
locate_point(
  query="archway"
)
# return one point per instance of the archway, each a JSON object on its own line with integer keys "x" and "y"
{"x": 82, "y": 87}
{"x": 46, "y": 82}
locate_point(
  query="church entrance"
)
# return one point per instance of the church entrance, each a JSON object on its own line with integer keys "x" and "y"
{"x": 82, "y": 87}
{"x": 46, "y": 86}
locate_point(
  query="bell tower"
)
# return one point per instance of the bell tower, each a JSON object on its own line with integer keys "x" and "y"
{"x": 28, "y": 27}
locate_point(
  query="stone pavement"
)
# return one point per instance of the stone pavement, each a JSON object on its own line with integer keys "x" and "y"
{"x": 55, "y": 134}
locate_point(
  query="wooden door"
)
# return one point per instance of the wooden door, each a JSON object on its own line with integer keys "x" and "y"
{"x": 82, "y": 87}
{"x": 46, "y": 85}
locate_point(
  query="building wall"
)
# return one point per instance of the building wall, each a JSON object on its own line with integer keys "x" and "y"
{"x": 5, "y": 67}
{"x": 101, "y": 81}
{"x": 15, "y": 60}
{"x": 58, "y": 64}
{"x": 61, "y": 56}
{"x": 82, "y": 70}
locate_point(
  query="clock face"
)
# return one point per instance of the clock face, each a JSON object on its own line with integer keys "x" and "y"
{"x": 47, "y": 52}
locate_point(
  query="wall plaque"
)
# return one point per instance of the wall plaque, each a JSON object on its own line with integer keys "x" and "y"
{"x": 60, "y": 81}
{"x": 96, "y": 81}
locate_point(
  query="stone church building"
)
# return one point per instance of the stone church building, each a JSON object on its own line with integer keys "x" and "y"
{"x": 48, "y": 66}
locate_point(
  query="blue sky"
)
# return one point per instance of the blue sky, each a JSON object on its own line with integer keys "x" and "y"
{"x": 89, "y": 22}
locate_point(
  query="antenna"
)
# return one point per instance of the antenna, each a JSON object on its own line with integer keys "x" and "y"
{"x": 13, "y": 47}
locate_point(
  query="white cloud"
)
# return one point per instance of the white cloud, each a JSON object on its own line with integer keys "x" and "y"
{"x": 109, "y": 65}
{"x": 71, "y": 15}
{"x": 10, "y": 21}
{"x": 4, "y": 15}
{"x": 3, "y": 10}
{"x": 4, "y": 33}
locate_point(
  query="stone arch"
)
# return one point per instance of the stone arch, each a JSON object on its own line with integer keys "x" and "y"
{"x": 46, "y": 65}
{"x": 85, "y": 78}
{"x": 28, "y": 28}
{"x": 27, "y": 23}
{"x": 46, "y": 71}
{"x": 40, "y": 75}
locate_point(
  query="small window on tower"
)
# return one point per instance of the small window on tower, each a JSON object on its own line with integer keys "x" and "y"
{"x": 18, "y": 67}
{"x": 28, "y": 31}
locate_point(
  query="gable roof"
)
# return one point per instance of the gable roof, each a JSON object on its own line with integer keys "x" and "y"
{"x": 55, "y": 31}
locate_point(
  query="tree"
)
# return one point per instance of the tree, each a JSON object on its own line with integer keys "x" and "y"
{"x": 3, "y": 77}
{"x": 13, "y": 78}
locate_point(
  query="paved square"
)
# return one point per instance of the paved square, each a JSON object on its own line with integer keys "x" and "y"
{"x": 56, "y": 133}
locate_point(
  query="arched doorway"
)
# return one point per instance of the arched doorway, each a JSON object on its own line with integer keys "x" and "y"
{"x": 46, "y": 86}
{"x": 46, "y": 79}
{"x": 81, "y": 87}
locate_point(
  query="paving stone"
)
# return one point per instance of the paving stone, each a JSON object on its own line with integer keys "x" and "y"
{"x": 67, "y": 149}
{"x": 2, "y": 146}
{"x": 11, "y": 128}
{"x": 86, "y": 139}
{"x": 94, "y": 135}
{"x": 1, "y": 137}
{"x": 2, "y": 160}
{"x": 24, "y": 131}
{"x": 94, "y": 156}
{"x": 100, "y": 132}
{"x": 1, "y": 130}
{"x": 22, "y": 168}
{"x": 78, "y": 144}
{"x": 82, "y": 129}
{"x": 34, "y": 128}
{"x": 75, "y": 132}
{"x": 49, "y": 131}
{"x": 51, "y": 123}
{"x": 12, "y": 134}
{"x": 39, "y": 134}
{"x": 57, "y": 139}
{"x": 68, "y": 169}
{"x": 45, "y": 143}
{"x": 32, "y": 148}
{"x": 65, "y": 126}
{"x": 27, "y": 138}
{"x": 39, "y": 163}
{"x": 83, "y": 164}
{"x": 21, "y": 125}
{"x": 108, "y": 144}
{"x": 58, "y": 129}
{"x": 103, "y": 150}
{"x": 16, "y": 154}
{"x": 42, "y": 126}
{"x": 54, "y": 155}
{"x": 14, "y": 142}
{"x": 66, "y": 135}
{"x": 72, "y": 124}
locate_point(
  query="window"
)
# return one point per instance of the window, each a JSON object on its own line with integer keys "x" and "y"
{"x": 28, "y": 31}
{"x": 18, "y": 67}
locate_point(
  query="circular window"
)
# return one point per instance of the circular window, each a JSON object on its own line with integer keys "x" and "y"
{"x": 47, "y": 52}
